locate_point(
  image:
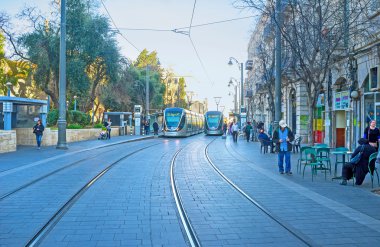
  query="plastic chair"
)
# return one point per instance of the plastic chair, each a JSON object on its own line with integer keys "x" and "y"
{"x": 264, "y": 145}
{"x": 373, "y": 169}
{"x": 339, "y": 149}
{"x": 323, "y": 155}
{"x": 321, "y": 145}
{"x": 302, "y": 158}
{"x": 312, "y": 161}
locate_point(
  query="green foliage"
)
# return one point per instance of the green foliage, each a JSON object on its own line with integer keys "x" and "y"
{"x": 52, "y": 117}
{"x": 74, "y": 126}
{"x": 98, "y": 126}
{"x": 78, "y": 117}
{"x": 92, "y": 52}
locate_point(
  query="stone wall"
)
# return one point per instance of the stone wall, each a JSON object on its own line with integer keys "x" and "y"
{"x": 7, "y": 141}
{"x": 50, "y": 137}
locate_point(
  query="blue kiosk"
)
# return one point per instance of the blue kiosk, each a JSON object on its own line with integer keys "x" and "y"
{"x": 16, "y": 112}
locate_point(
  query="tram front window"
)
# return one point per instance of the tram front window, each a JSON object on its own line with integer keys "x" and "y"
{"x": 213, "y": 121}
{"x": 172, "y": 119}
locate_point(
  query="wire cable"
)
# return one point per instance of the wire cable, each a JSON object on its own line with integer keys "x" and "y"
{"x": 192, "y": 16}
{"x": 192, "y": 26}
{"x": 118, "y": 30}
{"x": 193, "y": 45}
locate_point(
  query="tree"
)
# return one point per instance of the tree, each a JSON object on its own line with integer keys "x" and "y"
{"x": 92, "y": 52}
{"x": 18, "y": 72}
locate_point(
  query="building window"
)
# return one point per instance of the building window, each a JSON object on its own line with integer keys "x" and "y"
{"x": 373, "y": 77}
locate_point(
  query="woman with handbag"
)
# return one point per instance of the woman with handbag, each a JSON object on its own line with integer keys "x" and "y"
{"x": 358, "y": 163}
{"x": 372, "y": 134}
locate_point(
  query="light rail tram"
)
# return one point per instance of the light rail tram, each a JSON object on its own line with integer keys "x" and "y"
{"x": 214, "y": 123}
{"x": 181, "y": 122}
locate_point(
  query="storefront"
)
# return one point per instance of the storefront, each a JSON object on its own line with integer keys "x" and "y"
{"x": 318, "y": 120}
{"x": 371, "y": 99}
{"x": 341, "y": 118}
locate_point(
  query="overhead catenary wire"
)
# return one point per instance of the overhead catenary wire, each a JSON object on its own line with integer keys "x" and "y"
{"x": 180, "y": 28}
{"x": 118, "y": 30}
{"x": 193, "y": 45}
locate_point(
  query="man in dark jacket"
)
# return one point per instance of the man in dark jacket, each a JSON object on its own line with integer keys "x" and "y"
{"x": 155, "y": 128}
{"x": 247, "y": 130}
{"x": 282, "y": 137}
{"x": 361, "y": 168}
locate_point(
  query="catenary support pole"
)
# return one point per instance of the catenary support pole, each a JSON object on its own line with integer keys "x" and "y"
{"x": 278, "y": 66}
{"x": 62, "y": 81}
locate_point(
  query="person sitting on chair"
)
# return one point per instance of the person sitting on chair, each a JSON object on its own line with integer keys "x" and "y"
{"x": 263, "y": 136}
{"x": 361, "y": 168}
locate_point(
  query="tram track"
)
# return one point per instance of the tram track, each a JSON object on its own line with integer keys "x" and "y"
{"x": 300, "y": 236}
{"x": 189, "y": 230}
{"x": 45, "y": 176}
{"x": 41, "y": 178}
{"x": 49, "y": 225}
{"x": 40, "y": 162}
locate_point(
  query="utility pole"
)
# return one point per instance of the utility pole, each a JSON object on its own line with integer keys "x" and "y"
{"x": 62, "y": 144}
{"x": 277, "y": 111}
{"x": 241, "y": 86}
{"x": 147, "y": 92}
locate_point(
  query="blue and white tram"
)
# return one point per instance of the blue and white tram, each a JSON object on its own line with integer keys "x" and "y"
{"x": 214, "y": 123}
{"x": 182, "y": 122}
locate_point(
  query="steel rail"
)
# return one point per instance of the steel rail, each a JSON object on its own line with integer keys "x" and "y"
{"x": 2, "y": 197}
{"x": 190, "y": 232}
{"x": 289, "y": 228}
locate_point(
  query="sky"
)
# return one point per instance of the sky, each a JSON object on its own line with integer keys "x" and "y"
{"x": 207, "y": 74}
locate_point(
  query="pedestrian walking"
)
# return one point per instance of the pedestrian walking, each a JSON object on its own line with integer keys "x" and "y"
{"x": 108, "y": 124}
{"x": 372, "y": 134}
{"x": 235, "y": 131}
{"x": 282, "y": 137}
{"x": 146, "y": 127}
{"x": 224, "y": 128}
{"x": 38, "y": 130}
{"x": 248, "y": 130}
{"x": 155, "y": 128}
{"x": 360, "y": 169}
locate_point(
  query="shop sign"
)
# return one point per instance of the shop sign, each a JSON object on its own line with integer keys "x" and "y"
{"x": 341, "y": 100}
{"x": 321, "y": 100}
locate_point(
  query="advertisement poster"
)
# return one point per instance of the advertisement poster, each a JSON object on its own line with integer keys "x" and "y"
{"x": 345, "y": 100}
{"x": 337, "y": 101}
{"x": 304, "y": 119}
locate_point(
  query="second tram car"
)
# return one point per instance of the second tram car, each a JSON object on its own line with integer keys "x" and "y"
{"x": 182, "y": 122}
{"x": 214, "y": 123}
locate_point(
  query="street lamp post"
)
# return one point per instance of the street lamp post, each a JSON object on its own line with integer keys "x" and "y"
{"x": 241, "y": 79}
{"x": 9, "y": 85}
{"x": 189, "y": 95}
{"x": 278, "y": 62}
{"x": 222, "y": 108}
{"x": 217, "y": 101}
{"x": 147, "y": 93}
{"x": 75, "y": 102}
{"x": 236, "y": 103}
